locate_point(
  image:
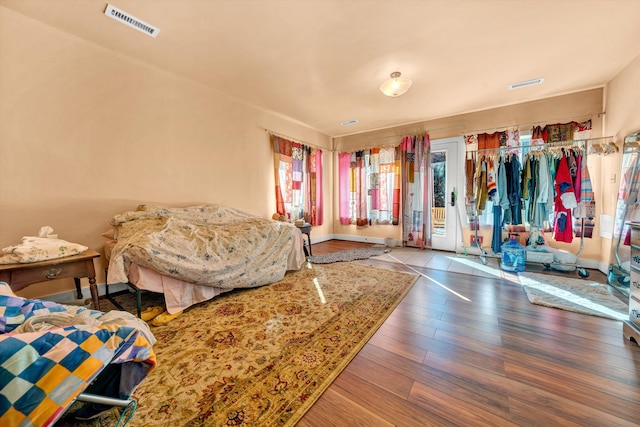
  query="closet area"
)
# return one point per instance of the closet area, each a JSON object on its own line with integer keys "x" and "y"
{"x": 535, "y": 188}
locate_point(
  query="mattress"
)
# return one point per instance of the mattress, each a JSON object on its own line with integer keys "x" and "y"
{"x": 181, "y": 294}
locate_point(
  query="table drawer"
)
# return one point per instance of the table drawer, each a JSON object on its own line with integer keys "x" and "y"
{"x": 26, "y": 276}
{"x": 634, "y": 311}
{"x": 635, "y": 236}
{"x": 634, "y": 285}
{"x": 635, "y": 257}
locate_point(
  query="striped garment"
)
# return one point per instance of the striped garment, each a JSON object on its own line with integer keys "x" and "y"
{"x": 586, "y": 208}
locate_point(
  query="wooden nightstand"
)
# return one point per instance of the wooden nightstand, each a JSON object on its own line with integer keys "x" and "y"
{"x": 19, "y": 276}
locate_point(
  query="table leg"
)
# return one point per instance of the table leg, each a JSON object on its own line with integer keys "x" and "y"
{"x": 309, "y": 244}
{"x": 94, "y": 293}
{"x": 78, "y": 288}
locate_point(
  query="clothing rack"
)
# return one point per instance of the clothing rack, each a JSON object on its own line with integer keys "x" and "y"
{"x": 506, "y": 150}
{"x": 558, "y": 144}
{"x": 540, "y": 122}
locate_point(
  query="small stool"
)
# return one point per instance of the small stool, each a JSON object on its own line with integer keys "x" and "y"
{"x": 306, "y": 229}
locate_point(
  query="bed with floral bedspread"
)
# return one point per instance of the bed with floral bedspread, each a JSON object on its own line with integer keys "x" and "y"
{"x": 208, "y": 245}
{"x": 50, "y": 353}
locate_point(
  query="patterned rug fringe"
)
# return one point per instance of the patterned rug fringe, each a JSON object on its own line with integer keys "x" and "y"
{"x": 349, "y": 255}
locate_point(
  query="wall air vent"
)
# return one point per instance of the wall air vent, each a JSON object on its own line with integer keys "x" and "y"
{"x": 131, "y": 21}
{"x": 527, "y": 83}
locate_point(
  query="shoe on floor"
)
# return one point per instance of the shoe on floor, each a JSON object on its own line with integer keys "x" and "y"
{"x": 151, "y": 312}
{"x": 164, "y": 318}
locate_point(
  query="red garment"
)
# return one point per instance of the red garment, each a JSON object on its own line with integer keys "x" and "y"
{"x": 488, "y": 141}
{"x": 563, "y": 229}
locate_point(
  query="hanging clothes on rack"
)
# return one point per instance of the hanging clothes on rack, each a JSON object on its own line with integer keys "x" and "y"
{"x": 545, "y": 189}
{"x": 565, "y": 200}
{"x": 513, "y": 215}
{"x": 541, "y": 207}
{"x": 493, "y": 167}
{"x": 480, "y": 181}
{"x": 559, "y": 132}
{"x": 586, "y": 210}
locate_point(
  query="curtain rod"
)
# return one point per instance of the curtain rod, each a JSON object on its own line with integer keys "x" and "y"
{"x": 394, "y": 143}
{"x": 417, "y": 133}
{"x": 294, "y": 139}
{"x": 389, "y": 145}
{"x": 545, "y": 145}
{"x": 518, "y": 125}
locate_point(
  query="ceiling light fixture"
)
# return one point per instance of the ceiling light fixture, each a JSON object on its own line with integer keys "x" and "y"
{"x": 527, "y": 83}
{"x": 395, "y": 85}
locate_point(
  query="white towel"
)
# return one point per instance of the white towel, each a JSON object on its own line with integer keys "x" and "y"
{"x": 44, "y": 247}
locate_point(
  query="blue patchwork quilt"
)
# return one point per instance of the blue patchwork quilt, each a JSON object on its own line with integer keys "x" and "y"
{"x": 42, "y": 372}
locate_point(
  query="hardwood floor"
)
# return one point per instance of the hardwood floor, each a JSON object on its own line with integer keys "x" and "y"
{"x": 494, "y": 359}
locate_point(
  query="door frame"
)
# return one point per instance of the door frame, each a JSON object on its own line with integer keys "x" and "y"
{"x": 455, "y": 180}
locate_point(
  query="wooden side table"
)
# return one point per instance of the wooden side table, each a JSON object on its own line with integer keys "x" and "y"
{"x": 306, "y": 229}
{"x": 19, "y": 276}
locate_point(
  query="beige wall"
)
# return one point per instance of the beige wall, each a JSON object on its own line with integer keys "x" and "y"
{"x": 86, "y": 133}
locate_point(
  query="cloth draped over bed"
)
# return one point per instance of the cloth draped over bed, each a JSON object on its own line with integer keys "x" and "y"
{"x": 43, "y": 371}
{"x": 206, "y": 245}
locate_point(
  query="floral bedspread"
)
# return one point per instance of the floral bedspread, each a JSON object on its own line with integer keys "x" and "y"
{"x": 207, "y": 245}
{"x": 42, "y": 371}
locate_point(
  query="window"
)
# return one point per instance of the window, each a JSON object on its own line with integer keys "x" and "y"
{"x": 298, "y": 176}
{"x": 369, "y": 186}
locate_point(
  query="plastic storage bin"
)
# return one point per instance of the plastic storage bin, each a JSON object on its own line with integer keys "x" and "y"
{"x": 513, "y": 256}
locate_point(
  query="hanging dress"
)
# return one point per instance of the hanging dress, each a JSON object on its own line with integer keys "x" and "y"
{"x": 565, "y": 200}
{"x": 586, "y": 206}
{"x": 512, "y": 168}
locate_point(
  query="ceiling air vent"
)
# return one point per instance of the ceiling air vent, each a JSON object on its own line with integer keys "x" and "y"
{"x": 131, "y": 21}
{"x": 527, "y": 83}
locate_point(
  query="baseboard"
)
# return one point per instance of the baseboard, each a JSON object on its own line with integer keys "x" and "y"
{"x": 324, "y": 238}
{"x": 361, "y": 239}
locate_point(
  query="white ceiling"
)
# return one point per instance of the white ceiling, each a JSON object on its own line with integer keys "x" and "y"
{"x": 320, "y": 62}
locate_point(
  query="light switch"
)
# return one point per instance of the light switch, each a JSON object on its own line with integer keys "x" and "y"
{"x": 613, "y": 178}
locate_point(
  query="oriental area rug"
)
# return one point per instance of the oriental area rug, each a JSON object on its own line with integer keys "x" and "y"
{"x": 577, "y": 295}
{"x": 261, "y": 357}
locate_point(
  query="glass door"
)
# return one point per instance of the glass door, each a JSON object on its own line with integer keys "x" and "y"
{"x": 444, "y": 183}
